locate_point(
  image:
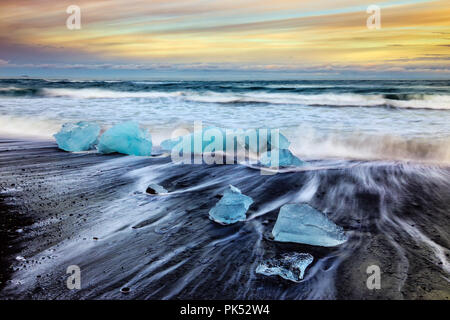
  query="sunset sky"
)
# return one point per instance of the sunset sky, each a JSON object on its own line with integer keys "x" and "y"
{"x": 214, "y": 39}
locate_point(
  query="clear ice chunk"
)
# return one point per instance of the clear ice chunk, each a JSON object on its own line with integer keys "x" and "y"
{"x": 198, "y": 141}
{"x": 80, "y": 136}
{"x": 231, "y": 208}
{"x": 290, "y": 267}
{"x": 304, "y": 224}
{"x": 285, "y": 159}
{"x": 126, "y": 138}
{"x": 169, "y": 144}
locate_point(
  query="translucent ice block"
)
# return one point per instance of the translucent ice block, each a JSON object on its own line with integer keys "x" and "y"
{"x": 290, "y": 266}
{"x": 80, "y": 136}
{"x": 217, "y": 138}
{"x": 231, "y": 208}
{"x": 126, "y": 138}
{"x": 304, "y": 224}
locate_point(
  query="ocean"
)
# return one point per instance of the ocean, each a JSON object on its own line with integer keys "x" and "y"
{"x": 377, "y": 156}
{"x": 401, "y": 120}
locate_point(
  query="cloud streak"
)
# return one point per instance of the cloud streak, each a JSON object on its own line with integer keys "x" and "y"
{"x": 275, "y": 35}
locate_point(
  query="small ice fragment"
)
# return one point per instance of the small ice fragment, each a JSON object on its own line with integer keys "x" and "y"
{"x": 290, "y": 266}
{"x": 231, "y": 208}
{"x": 75, "y": 137}
{"x": 304, "y": 224}
{"x": 20, "y": 258}
{"x": 126, "y": 138}
{"x": 285, "y": 159}
{"x": 155, "y": 189}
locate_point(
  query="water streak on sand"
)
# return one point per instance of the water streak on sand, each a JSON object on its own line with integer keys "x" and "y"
{"x": 166, "y": 247}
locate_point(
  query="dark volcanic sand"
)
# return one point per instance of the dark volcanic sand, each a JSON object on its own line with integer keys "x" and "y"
{"x": 92, "y": 211}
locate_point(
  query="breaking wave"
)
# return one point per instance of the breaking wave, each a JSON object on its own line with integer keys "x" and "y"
{"x": 410, "y": 95}
{"x": 27, "y": 127}
{"x": 361, "y": 146}
{"x": 438, "y": 102}
{"x": 101, "y": 94}
{"x": 308, "y": 144}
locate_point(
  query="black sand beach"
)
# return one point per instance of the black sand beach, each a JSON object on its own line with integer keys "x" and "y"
{"x": 60, "y": 209}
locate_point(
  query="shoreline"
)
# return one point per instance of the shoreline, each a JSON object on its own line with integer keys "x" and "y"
{"x": 56, "y": 213}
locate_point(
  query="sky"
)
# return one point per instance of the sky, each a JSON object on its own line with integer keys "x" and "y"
{"x": 209, "y": 39}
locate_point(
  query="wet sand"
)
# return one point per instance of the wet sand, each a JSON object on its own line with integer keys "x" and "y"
{"x": 60, "y": 209}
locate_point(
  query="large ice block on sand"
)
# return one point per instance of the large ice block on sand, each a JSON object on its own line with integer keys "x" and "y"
{"x": 126, "y": 138}
{"x": 216, "y": 138}
{"x": 304, "y": 224}
{"x": 290, "y": 266}
{"x": 231, "y": 208}
{"x": 169, "y": 144}
{"x": 198, "y": 142}
{"x": 80, "y": 136}
{"x": 285, "y": 159}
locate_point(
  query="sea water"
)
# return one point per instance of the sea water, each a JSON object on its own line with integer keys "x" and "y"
{"x": 322, "y": 119}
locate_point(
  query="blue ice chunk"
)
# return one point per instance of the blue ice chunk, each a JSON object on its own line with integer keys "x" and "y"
{"x": 255, "y": 140}
{"x": 304, "y": 224}
{"x": 169, "y": 144}
{"x": 290, "y": 267}
{"x": 285, "y": 159}
{"x": 265, "y": 141}
{"x": 80, "y": 136}
{"x": 198, "y": 141}
{"x": 231, "y": 208}
{"x": 283, "y": 142}
{"x": 126, "y": 138}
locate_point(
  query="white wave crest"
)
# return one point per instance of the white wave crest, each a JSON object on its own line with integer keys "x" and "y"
{"x": 438, "y": 102}
{"x": 28, "y": 127}
{"x": 360, "y": 146}
{"x": 103, "y": 94}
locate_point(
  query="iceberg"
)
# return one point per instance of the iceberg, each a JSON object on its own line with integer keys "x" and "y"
{"x": 126, "y": 138}
{"x": 155, "y": 189}
{"x": 80, "y": 136}
{"x": 231, "y": 208}
{"x": 304, "y": 224}
{"x": 285, "y": 159}
{"x": 290, "y": 267}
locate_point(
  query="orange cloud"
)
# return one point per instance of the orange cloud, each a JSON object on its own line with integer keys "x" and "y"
{"x": 258, "y": 32}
